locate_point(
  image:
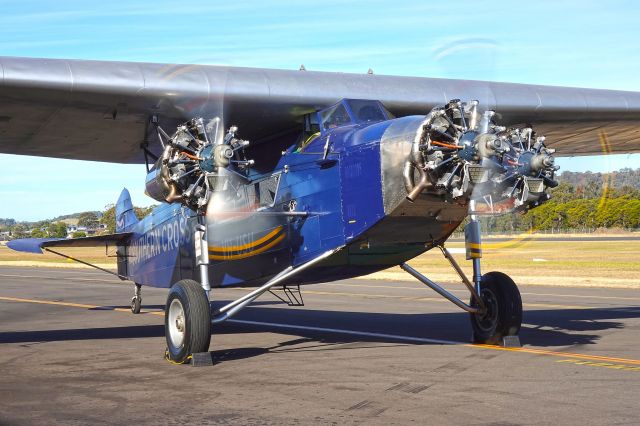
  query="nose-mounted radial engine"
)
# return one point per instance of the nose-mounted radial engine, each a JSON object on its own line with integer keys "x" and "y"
{"x": 195, "y": 163}
{"x": 461, "y": 153}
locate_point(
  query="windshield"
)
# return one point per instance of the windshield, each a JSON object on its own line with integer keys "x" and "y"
{"x": 334, "y": 117}
{"x": 352, "y": 111}
{"x": 366, "y": 110}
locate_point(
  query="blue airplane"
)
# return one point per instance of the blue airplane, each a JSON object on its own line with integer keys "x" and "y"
{"x": 340, "y": 175}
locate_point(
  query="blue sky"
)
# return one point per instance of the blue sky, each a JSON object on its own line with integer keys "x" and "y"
{"x": 571, "y": 43}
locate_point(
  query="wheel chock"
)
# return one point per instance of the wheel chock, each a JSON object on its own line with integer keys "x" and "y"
{"x": 202, "y": 359}
{"x": 511, "y": 342}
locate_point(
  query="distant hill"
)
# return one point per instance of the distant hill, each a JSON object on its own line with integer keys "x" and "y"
{"x": 69, "y": 219}
{"x": 622, "y": 178}
{"x": 7, "y": 222}
{"x": 75, "y": 215}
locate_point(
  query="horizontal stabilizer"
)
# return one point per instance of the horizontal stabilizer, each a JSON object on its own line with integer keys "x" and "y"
{"x": 35, "y": 245}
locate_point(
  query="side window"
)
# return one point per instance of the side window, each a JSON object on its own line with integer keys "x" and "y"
{"x": 310, "y": 133}
{"x": 268, "y": 190}
{"x": 311, "y": 124}
{"x": 262, "y": 194}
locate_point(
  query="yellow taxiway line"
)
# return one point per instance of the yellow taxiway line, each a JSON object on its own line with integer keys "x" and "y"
{"x": 601, "y": 360}
{"x": 54, "y": 302}
{"x": 558, "y": 354}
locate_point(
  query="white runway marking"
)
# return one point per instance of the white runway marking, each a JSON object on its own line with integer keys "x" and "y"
{"x": 348, "y": 332}
{"x": 457, "y": 250}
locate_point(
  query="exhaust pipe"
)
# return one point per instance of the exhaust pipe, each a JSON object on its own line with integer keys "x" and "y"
{"x": 413, "y": 191}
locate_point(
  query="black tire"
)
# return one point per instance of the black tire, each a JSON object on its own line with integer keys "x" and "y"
{"x": 504, "y": 309}
{"x": 195, "y": 324}
{"x": 136, "y": 304}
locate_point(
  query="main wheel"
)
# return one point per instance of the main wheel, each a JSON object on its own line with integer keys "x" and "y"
{"x": 503, "y": 316}
{"x": 187, "y": 321}
{"x": 136, "y": 304}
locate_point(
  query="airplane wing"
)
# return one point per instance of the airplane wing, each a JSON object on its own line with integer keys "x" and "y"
{"x": 92, "y": 110}
{"x": 35, "y": 245}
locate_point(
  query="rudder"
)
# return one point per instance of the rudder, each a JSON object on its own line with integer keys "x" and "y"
{"x": 125, "y": 216}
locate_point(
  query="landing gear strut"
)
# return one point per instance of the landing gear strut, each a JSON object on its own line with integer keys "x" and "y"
{"x": 187, "y": 322}
{"x": 496, "y": 305}
{"x": 501, "y": 315}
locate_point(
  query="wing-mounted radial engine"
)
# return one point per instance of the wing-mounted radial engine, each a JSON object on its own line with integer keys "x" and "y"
{"x": 463, "y": 153}
{"x": 464, "y": 156}
{"x": 195, "y": 163}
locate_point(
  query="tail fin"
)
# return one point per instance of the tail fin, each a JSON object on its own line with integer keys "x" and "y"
{"x": 125, "y": 216}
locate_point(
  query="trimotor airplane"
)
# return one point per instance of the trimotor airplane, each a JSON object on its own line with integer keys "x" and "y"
{"x": 281, "y": 178}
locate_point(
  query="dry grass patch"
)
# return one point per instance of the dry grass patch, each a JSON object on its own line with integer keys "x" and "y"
{"x": 556, "y": 263}
{"x": 94, "y": 255}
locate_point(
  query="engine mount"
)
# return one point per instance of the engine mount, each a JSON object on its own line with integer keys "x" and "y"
{"x": 461, "y": 154}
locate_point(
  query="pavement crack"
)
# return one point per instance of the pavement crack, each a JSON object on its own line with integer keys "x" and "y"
{"x": 409, "y": 388}
{"x": 360, "y": 405}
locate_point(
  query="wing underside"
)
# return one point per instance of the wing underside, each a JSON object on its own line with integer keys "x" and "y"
{"x": 101, "y": 111}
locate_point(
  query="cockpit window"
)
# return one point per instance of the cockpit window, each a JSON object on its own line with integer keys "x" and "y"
{"x": 366, "y": 110}
{"x": 350, "y": 111}
{"x": 334, "y": 117}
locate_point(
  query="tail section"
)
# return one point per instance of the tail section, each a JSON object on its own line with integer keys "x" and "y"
{"x": 125, "y": 216}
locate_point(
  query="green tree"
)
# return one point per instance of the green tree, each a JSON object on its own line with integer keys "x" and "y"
{"x": 79, "y": 234}
{"x": 57, "y": 230}
{"x": 564, "y": 192}
{"x": 39, "y": 233}
{"x": 141, "y": 212}
{"x": 42, "y": 224}
{"x": 109, "y": 215}
{"x": 88, "y": 219}
{"x": 19, "y": 230}
{"x": 109, "y": 218}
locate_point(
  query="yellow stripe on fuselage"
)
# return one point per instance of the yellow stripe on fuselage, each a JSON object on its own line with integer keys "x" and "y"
{"x": 249, "y": 253}
{"x": 248, "y": 245}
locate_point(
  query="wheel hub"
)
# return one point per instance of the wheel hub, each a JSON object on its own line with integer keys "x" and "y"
{"x": 180, "y": 324}
{"x": 176, "y": 324}
{"x": 488, "y": 319}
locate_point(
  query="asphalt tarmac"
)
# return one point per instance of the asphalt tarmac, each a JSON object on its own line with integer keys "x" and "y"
{"x": 359, "y": 352}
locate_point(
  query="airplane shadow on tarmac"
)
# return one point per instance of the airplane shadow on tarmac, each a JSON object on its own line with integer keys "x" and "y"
{"x": 540, "y": 328}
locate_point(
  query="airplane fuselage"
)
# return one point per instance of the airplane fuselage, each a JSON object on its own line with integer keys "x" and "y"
{"x": 343, "y": 187}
